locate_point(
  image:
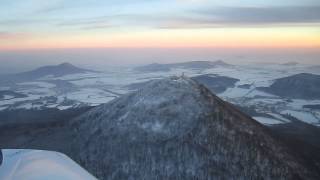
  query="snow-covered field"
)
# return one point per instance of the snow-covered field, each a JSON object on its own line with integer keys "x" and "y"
{"x": 92, "y": 96}
{"x": 267, "y": 121}
{"x": 96, "y": 88}
{"x": 304, "y": 115}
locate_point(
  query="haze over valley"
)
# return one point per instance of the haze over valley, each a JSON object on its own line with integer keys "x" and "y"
{"x": 66, "y": 86}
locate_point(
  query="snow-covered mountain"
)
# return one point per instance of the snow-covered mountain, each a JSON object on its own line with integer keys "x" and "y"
{"x": 41, "y": 72}
{"x": 304, "y": 86}
{"x": 291, "y": 63}
{"x": 175, "y": 128}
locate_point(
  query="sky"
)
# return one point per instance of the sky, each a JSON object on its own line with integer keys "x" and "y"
{"x": 233, "y": 24}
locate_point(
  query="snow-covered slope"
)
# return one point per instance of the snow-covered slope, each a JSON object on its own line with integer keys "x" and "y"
{"x": 91, "y": 89}
{"x": 175, "y": 128}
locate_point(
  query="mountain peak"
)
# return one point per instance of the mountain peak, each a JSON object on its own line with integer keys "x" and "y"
{"x": 66, "y": 64}
{"x": 158, "y": 101}
{"x": 220, "y": 62}
{"x": 173, "y": 128}
{"x": 291, "y": 63}
{"x": 57, "y": 70}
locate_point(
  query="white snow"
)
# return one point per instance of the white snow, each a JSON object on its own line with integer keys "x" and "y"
{"x": 64, "y": 107}
{"x": 279, "y": 117}
{"x": 240, "y": 92}
{"x": 91, "y": 95}
{"x": 235, "y": 92}
{"x": 267, "y": 121}
{"x": 25, "y": 106}
{"x": 303, "y": 116}
{"x": 299, "y": 103}
{"x": 12, "y": 101}
{"x": 39, "y": 84}
{"x": 6, "y": 97}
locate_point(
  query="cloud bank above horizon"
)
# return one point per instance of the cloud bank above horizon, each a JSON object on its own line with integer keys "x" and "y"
{"x": 36, "y": 24}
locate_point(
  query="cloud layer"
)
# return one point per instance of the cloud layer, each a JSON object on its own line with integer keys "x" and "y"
{"x": 40, "y": 20}
{"x": 154, "y": 13}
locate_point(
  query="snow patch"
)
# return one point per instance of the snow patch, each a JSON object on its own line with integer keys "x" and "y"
{"x": 267, "y": 121}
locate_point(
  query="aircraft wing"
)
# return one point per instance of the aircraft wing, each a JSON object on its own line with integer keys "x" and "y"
{"x": 26, "y": 164}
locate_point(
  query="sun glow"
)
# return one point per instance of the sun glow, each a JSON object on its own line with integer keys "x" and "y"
{"x": 285, "y": 37}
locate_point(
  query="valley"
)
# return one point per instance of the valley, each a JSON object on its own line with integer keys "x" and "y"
{"x": 242, "y": 85}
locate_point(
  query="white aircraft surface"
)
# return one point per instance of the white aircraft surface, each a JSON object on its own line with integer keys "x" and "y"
{"x": 26, "y": 164}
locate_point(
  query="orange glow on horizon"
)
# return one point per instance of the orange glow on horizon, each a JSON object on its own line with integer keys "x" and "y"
{"x": 216, "y": 38}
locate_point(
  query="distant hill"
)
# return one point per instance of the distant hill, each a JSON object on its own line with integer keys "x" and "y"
{"x": 290, "y": 64}
{"x": 216, "y": 83}
{"x": 300, "y": 86}
{"x": 55, "y": 71}
{"x": 245, "y": 86}
{"x": 186, "y": 65}
{"x": 7, "y": 94}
